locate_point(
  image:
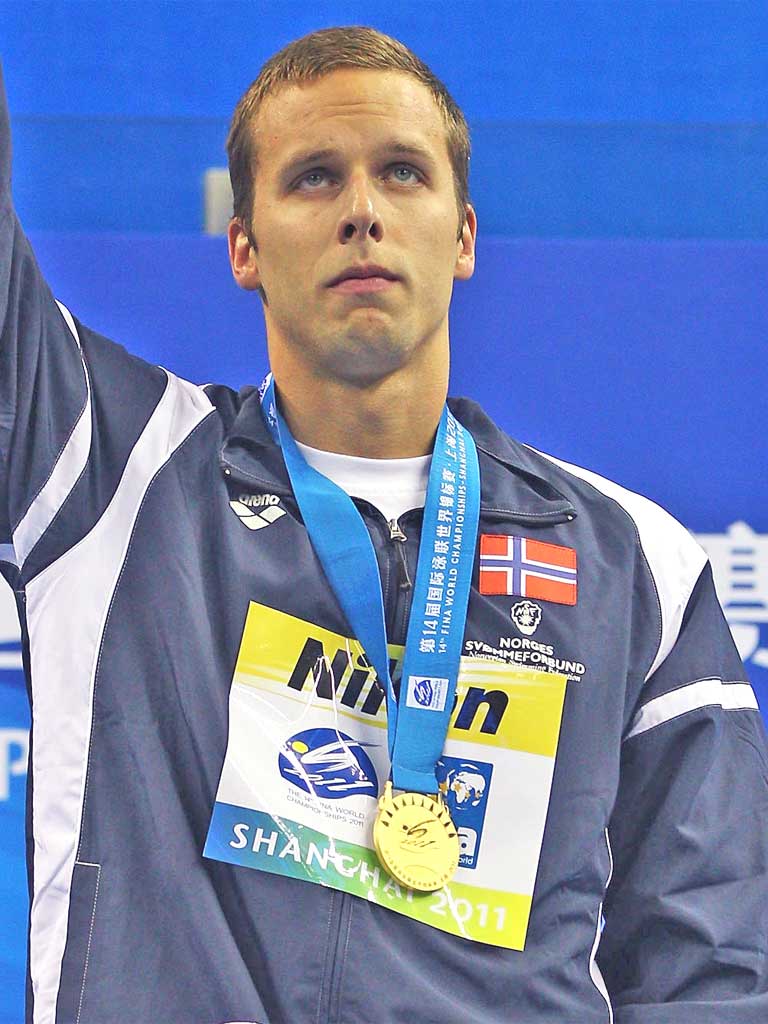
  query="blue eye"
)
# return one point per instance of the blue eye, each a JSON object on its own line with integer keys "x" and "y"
{"x": 403, "y": 173}
{"x": 312, "y": 180}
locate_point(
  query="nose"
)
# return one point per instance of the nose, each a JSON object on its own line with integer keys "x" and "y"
{"x": 360, "y": 219}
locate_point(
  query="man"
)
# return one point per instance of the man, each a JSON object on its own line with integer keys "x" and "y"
{"x": 215, "y": 632}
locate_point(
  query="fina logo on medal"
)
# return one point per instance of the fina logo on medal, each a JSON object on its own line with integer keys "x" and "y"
{"x": 328, "y": 763}
{"x": 427, "y": 692}
{"x": 465, "y": 786}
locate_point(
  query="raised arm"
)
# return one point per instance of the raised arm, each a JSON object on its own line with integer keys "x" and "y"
{"x": 72, "y": 405}
{"x": 43, "y": 382}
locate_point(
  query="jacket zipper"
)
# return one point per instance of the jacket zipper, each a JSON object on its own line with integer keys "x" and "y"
{"x": 397, "y": 624}
{"x": 398, "y": 539}
{"x": 401, "y": 582}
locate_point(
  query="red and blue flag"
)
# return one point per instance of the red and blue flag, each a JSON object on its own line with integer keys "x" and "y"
{"x": 529, "y": 568}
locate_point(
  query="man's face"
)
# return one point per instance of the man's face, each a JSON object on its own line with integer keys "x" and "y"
{"x": 353, "y": 177}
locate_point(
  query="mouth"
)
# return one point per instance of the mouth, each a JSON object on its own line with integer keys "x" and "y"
{"x": 364, "y": 278}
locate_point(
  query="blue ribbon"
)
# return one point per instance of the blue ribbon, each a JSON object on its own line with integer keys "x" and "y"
{"x": 417, "y": 726}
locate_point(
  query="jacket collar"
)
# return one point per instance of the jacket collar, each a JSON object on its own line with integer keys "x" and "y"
{"x": 511, "y": 479}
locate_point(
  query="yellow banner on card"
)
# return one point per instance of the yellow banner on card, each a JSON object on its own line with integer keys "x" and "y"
{"x": 496, "y": 705}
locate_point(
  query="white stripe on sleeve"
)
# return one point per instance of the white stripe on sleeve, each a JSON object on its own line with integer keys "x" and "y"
{"x": 704, "y": 693}
{"x": 65, "y": 473}
{"x": 67, "y": 609}
{"x": 594, "y": 968}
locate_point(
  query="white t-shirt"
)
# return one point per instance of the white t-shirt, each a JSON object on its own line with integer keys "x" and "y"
{"x": 393, "y": 485}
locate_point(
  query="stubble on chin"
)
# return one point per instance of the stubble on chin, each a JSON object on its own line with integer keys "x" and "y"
{"x": 362, "y": 358}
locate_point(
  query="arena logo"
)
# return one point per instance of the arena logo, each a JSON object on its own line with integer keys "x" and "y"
{"x": 739, "y": 560}
{"x": 257, "y": 511}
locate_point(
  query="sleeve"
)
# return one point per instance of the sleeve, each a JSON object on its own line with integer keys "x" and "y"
{"x": 685, "y": 939}
{"x": 43, "y": 381}
{"x": 73, "y": 406}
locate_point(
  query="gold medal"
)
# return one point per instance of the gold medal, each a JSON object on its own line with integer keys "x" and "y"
{"x": 415, "y": 839}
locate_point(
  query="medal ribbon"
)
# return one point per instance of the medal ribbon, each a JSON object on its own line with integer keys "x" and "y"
{"x": 416, "y": 729}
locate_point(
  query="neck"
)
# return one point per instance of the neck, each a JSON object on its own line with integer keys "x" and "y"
{"x": 394, "y": 418}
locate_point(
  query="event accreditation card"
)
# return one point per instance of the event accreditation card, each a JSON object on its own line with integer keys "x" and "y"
{"x": 307, "y": 760}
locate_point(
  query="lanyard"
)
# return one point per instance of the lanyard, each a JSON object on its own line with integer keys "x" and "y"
{"x": 416, "y": 728}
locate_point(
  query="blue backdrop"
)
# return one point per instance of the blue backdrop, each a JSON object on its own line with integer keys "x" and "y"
{"x": 618, "y": 315}
{"x": 642, "y": 360}
{"x": 632, "y": 118}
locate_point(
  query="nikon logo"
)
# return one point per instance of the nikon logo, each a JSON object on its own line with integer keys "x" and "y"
{"x": 334, "y": 675}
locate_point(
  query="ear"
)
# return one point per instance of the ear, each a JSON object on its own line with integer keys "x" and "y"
{"x": 465, "y": 254}
{"x": 243, "y": 257}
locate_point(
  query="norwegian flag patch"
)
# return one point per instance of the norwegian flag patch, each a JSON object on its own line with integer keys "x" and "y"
{"x": 523, "y": 567}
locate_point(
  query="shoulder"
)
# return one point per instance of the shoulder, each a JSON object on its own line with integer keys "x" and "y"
{"x": 674, "y": 558}
{"x": 659, "y": 533}
{"x": 110, "y": 364}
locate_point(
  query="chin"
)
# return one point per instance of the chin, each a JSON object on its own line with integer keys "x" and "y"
{"x": 369, "y": 360}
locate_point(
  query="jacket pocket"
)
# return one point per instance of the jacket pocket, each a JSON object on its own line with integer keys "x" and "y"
{"x": 82, "y": 916}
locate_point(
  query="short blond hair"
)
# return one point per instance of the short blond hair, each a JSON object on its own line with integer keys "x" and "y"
{"x": 316, "y": 55}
